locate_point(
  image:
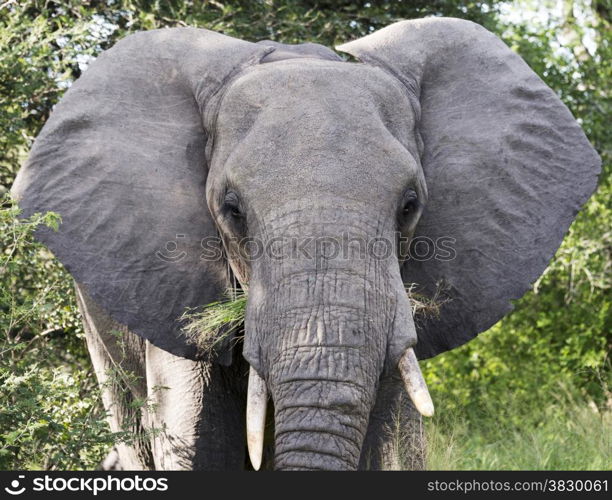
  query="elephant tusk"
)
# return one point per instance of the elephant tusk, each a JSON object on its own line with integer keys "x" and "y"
{"x": 415, "y": 383}
{"x": 257, "y": 400}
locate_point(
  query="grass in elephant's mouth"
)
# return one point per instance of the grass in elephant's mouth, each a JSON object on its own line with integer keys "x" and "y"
{"x": 424, "y": 306}
{"x": 217, "y": 321}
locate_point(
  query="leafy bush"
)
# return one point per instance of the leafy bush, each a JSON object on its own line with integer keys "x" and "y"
{"x": 50, "y": 416}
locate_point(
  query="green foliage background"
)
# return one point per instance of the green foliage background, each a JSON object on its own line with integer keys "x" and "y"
{"x": 533, "y": 392}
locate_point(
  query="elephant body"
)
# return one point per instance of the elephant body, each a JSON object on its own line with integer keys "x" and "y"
{"x": 184, "y": 162}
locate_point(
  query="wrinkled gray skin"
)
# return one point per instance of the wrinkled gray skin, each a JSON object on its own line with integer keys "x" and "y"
{"x": 187, "y": 132}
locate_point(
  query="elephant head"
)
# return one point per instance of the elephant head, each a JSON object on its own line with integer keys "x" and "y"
{"x": 439, "y": 131}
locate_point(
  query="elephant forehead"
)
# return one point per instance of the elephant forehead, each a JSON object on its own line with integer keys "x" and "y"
{"x": 329, "y": 90}
{"x": 312, "y": 124}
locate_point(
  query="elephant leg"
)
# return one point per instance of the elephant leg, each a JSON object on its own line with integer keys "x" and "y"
{"x": 181, "y": 414}
{"x": 118, "y": 359}
{"x": 395, "y": 439}
{"x": 197, "y": 412}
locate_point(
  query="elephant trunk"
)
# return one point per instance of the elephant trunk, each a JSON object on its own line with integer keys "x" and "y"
{"x": 322, "y": 403}
{"x": 319, "y": 332}
{"x": 312, "y": 447}
{"x": 320, "y": 362}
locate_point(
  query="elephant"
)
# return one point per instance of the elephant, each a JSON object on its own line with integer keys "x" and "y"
{"x": 428, "y": 132}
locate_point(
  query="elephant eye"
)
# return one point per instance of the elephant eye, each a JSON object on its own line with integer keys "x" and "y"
{"x": 410, "y": 202}
{"x": 231, "y": 204}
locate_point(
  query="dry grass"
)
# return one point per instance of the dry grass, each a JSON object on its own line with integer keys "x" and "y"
{"x": 426, "y": 306}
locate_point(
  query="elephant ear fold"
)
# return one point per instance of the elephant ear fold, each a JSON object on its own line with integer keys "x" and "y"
{"x": 122, "y": 161}
{"x": 507, "y": 168}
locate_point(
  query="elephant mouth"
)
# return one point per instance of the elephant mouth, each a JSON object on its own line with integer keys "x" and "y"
{"x": 257, "y": 401}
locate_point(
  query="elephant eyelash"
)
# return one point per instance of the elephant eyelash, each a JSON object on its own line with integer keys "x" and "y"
{"x": 231, "y": 205}
{"x": 408, "y": 211}
{"x": 411, "y": 203}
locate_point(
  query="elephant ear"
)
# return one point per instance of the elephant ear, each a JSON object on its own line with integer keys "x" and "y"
{"x": 507, "y": 168}
{"x": 122, "y": 161}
